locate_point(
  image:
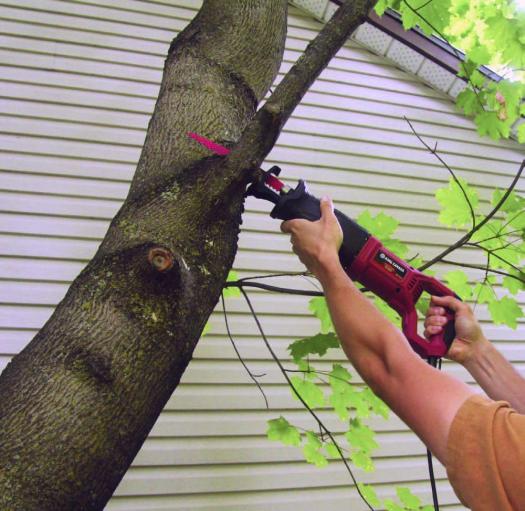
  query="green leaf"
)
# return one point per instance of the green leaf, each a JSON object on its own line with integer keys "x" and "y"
{"x": 513, "y": 285}
{"x": 356, "y": 401}
{"x": 319, "y": 307}
{"x": 455, "y": 209}
{"x": 458, "y": 282}
{"x": 521, "y": 133}
{"x": 468, "y": 102}
{"x": 282, "y": 431}
{"x": 380, "y": 7}
{"x": 360, "y": 436}
{"x": 231, "y": 292}
{"x": 479, "y": 55}
{"x": 315, "y": 345}
{"x": 512, "y": 204}
{"x": 396, "y": 246}
{"x": 408, "y": 499}
{"x": 311, "y": 450}
{"x": 369, "y": 494}
{"x": 505, "y": 311}
{"x": 489, "y": 124}
{"x": 362, "y": 460}
{"x": 375, "y": 403}
{"x": 483, "y": 293}
{"x": 381, "y": 226}
{"x": 339, "y": 378}
{"x": 331, "y": 450}
{"x": 390, "y": 505}
{"x": 311, "y": 394}
{"x": 341, "y": 403}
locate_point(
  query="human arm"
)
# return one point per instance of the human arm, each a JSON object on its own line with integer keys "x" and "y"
{"x": 424, "y": 398}
{"x": 493, "y": 372}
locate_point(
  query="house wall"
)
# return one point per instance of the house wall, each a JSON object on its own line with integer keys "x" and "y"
{"x": 78, "y": 82}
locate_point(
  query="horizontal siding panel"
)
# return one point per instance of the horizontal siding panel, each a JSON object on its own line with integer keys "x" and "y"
{"x": 270, "y": 476}
{"x": 181, "y": 451}
{"x": 320, "y": 135}
{"x": 327, "y": 499}
{"x": 335, "y": 80}
{"x": 358, "y": 125}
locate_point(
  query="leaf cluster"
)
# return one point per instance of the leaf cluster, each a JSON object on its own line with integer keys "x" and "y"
{"x": 502, "y": 242}
{"x": 490, "y": 34}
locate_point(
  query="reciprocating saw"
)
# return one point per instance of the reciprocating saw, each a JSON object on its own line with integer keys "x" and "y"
{"x": 363, "y": 257}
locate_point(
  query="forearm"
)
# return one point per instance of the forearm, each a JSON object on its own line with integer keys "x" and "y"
{"x": 366, "y": 336}
{"x": 496, "y": 376}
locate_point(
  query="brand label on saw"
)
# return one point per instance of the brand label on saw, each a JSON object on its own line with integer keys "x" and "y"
{"x": 390, "y": 265}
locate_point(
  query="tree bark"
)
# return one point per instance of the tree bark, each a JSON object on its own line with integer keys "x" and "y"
{"x": 78, "y": 402}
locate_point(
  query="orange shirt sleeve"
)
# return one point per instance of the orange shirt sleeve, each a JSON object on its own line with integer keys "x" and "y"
{"x": 486, "y": 455}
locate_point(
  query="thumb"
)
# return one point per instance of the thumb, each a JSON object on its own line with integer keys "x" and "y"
{"x": 327, "y": 207}
{"x": 450, "y": 302}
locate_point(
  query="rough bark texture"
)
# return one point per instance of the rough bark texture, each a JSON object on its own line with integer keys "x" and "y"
{"x": 78, "y": 402}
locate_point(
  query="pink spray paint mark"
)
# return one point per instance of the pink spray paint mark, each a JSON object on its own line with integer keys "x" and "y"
{"x": 209, "y": 144}
{"x": 271, "y": 180}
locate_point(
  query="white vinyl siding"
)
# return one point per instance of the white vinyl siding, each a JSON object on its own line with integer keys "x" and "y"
{"x": 78, "y": 82}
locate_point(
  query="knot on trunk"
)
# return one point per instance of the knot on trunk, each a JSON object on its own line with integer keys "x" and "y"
{"x": 94, "y": 365}
{"x": 161, "y": 259}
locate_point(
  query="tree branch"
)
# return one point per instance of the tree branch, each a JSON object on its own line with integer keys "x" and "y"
{"x": 261, "y": 134}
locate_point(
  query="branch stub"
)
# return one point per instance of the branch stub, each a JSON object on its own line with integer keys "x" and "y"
{"x": 161, "y": 259}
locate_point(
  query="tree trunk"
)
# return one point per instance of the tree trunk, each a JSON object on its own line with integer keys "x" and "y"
{"x": 78, "y": 402}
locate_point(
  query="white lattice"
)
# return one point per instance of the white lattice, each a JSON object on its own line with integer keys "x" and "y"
{"x": 373, "y": 38}
{"x": 435, "y": 75}
{"x": 315, "y": 7}
{"x": 458, "y": 86}
{"x": 405, "y": 57}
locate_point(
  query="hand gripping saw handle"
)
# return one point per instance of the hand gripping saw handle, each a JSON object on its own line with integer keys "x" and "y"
{"x": 366, "y": 260}
{"x": 362, "y": 256}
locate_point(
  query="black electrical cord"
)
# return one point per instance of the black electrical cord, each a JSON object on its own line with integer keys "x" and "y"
{"x": 434, "y": 362}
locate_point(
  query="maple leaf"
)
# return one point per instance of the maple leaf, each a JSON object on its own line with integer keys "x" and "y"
{"x": 505, "y": 311}
{"x": 281, "y": 430}
{"x": 311, "y": 394}
{"x": 319, "y": 307}
{"x": 409, "y": 500}
{"x": 311, "y": 450}
{"x": 455, "y": 210}
{"x": 458, "y": 282}
{"x": 315, "y": 345}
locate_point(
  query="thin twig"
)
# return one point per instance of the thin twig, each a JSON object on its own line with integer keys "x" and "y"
{"x": 492, "y": 252}
{"x": 252, "y": 375}
{"x": 240, "y": 285}
{"x": 469, "y": 234}
{"x": 484, "y": 268}
{"x": 452, "y": 173}
{"x": 272, "y": 275}
{"x": 314, "y": 415}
